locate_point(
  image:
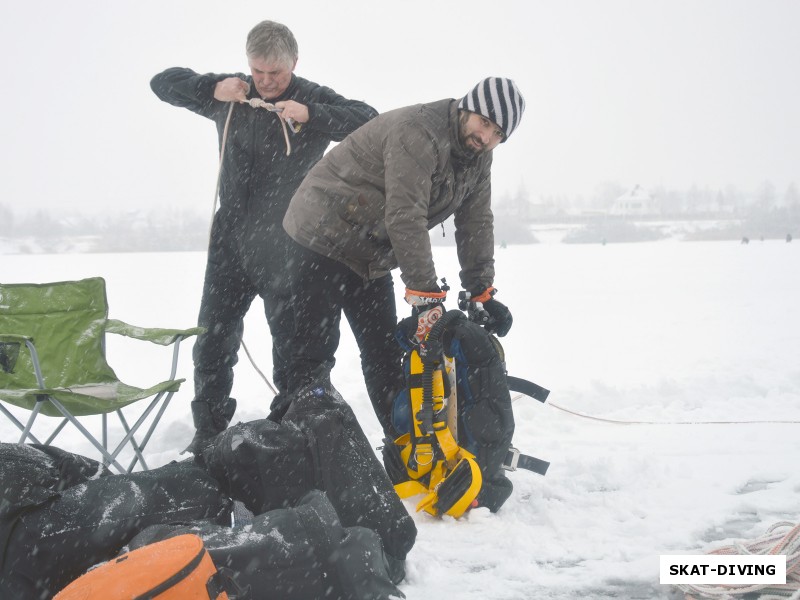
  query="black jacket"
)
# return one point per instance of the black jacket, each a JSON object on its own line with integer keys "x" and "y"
{"x": 258, "y": 180}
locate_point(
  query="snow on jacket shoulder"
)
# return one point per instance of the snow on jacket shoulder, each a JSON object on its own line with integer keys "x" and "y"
{"x": 370, "y": 202}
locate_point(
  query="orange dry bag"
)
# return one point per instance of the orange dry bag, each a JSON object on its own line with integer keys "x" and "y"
{"x": 178, "y": 568}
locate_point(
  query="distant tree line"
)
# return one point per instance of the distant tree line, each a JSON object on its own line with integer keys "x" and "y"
{"x": 764, "y": 212}
{"x": 153, "y": 231}
{"x": 696, "y": 201}
{"x": 736, "y": 214}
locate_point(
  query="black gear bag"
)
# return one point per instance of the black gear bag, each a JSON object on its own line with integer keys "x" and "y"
{"x": 294, "y": 553}
{"x": 317, "y": 445}
{"x": 77, "y": 515}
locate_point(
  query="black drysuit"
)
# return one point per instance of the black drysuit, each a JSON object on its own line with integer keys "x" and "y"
{"x": 248, "y": 249}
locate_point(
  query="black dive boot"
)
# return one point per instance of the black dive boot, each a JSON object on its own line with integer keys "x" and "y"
{"x": 279, "y": 406}
{"x": 210, "y": 419}
{"x": 298, "y": 380}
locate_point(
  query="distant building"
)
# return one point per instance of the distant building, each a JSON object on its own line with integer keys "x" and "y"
{"x": 635, "y": 203}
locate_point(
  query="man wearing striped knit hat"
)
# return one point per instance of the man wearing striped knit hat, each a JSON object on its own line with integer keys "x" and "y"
{"x": 366, "y": 209}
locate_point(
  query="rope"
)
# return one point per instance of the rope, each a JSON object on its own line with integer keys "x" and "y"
{"x": 259, "y": 103}
{"x": 622, "y": 422}
{"x": 771, "y": 543}
{"x": 254, "y": 103}
{"x": 255, "y": 366}
{"x": 219, "y": 170}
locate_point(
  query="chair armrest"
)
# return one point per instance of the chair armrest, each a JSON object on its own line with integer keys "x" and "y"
{"x": 14, "y": 338}
{"x": 156, "y": 335}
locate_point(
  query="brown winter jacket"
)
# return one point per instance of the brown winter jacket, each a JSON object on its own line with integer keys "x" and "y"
{"x": 370, "y": 202}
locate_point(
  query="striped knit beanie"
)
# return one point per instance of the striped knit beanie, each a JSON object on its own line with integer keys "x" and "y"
{"x": 497, "y": 99}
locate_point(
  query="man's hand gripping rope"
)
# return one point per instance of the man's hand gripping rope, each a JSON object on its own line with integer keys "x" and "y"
{"x": 234, "y": 89}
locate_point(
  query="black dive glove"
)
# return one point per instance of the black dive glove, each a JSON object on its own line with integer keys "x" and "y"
{"x": 483, "y": 309}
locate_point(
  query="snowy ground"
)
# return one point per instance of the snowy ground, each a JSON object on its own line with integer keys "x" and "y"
{"x": 659, "y": 332}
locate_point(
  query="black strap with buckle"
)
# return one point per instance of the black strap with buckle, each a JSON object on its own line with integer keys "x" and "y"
{"x": 516, "y": 460}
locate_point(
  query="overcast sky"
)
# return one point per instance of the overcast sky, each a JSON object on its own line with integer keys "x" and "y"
{"x": 669, "y": 92}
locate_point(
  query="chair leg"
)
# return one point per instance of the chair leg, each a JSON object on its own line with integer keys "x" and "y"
{"x": 34, "y": 413}
{"x": 138, "y": 424}
{"x": 16, "y": 422}
{"x": 152, "y": 427}
{"x": 137, "y": 450}
{"x": 106, "y": 456}
{"x": 56, "y": 431}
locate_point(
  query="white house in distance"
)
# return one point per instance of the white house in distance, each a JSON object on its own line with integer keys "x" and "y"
{"x": 636, "y": 202}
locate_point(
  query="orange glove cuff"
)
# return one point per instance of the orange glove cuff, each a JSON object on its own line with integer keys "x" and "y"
{"x": 484, "y": 296}
{"x": 416, "y": 298}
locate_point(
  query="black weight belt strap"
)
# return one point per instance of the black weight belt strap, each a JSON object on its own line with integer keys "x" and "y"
{"x": 516, "y": 460}
{"x": 523, "y": 386}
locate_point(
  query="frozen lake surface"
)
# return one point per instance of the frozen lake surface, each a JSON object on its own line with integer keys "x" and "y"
{"x": 660, "y": 333}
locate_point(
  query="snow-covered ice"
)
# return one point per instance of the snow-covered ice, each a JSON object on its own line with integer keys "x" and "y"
{"x": 660, "y": 333}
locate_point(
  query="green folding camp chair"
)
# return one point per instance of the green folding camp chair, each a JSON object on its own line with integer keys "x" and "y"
{"x": 52, "y": 362}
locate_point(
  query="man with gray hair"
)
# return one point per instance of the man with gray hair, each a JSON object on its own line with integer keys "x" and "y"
{"x": 366, "y": 208}
{"x": 261, "y": 168}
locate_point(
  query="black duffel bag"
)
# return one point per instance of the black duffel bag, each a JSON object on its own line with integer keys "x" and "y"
{"x": 53, "y": 535}
{"x": 263, "y": 464}
{"x": 298, "y": 553}
{"x": 318, "y": 445}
